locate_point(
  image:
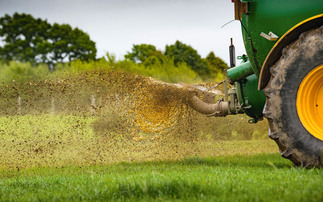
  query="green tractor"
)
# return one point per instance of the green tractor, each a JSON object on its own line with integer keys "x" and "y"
{"x": 281, "y": 77}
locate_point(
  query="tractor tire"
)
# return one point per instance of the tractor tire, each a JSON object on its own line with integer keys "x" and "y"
{"x": 294, "y": 103}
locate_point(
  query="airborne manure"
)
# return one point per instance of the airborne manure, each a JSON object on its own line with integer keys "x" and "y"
{"x": 104, "y": 117}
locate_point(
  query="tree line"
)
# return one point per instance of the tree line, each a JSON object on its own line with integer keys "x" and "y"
{"x": 33, "y": 40}
{"x": 180, "y": 53}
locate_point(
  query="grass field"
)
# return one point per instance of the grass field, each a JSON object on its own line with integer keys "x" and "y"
{"x": 64, "y": 158}
{"x": 261, "y": 177}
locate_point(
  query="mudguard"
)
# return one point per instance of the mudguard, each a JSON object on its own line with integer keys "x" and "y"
{"x": 290, "y": 36}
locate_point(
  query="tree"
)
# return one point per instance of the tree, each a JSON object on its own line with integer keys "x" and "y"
{"x": 111, "y": 58}
{"x": 27, "y": 39}
{"x": 216, "y": 64}
{"x": 182, "y": 53}
{"x": 140, "y": 53}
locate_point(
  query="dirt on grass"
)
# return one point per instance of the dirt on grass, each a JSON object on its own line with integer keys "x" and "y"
{"x": 102, "y": 117}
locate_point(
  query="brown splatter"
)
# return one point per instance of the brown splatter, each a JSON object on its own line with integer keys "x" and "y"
{"x": 103, "y": 117}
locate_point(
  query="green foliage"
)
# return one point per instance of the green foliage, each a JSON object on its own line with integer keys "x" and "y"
{"x": 164, "y": 71}
{"x": 27, "y": 39}
{"x": 149, "y": 61}
{"x": 35, "y": 41}
{"x": 71, "y": 44}
{"x": 111, "y": 58}
{"x": 22, "y": 35}
{"x": 140, "y": 53}
{"x": 22, "y": 72}
{"x": 182, "y": 53}
{"x": 175, "y": 60}
{"x": 216, "y": 64}
{"x": 80, "y": 65}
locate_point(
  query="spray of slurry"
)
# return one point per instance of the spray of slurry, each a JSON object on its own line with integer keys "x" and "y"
{"x": 103, "y": 117}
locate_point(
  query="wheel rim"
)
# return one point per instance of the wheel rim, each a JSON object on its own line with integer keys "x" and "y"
{"x": 309, "y": 102}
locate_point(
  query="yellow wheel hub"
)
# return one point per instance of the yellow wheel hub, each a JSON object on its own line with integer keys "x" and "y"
{"x": 309, "y": 102}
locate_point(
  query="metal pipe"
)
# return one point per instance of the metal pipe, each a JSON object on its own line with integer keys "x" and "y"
{"x": 232, "y": 55}
{"x": 239, "y": 72}
{"x": 220, "y": 108}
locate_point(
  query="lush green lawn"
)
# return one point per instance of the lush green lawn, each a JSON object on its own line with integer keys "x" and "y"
{"x": 261, "y": 177}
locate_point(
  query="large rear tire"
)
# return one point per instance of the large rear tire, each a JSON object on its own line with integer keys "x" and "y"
{"x": 294, "y": 105}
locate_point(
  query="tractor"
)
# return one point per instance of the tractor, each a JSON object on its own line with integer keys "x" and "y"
{"x": 280, "y": 77}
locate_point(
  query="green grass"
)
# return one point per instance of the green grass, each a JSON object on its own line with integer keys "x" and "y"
{"x": 262, "y": 177}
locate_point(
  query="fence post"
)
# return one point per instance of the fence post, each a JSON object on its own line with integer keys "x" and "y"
{"x": 19, "y": 105}
{"x": 52, "y": 108}
{"x": 93, "y": 105}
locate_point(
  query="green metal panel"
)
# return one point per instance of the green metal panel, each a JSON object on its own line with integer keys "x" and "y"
{"x": 277, "y": 16}
{"x": 251, "y": 100}
{"x": 239, "y": 72}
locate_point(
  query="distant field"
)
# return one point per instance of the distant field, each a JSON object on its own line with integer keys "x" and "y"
{"x": 261, "y": 177}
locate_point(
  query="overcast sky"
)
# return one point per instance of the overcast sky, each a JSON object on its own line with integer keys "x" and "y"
{"x": 115, "y": 25}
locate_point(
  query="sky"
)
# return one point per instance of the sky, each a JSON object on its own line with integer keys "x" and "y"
{"x": 115, "y": 25}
